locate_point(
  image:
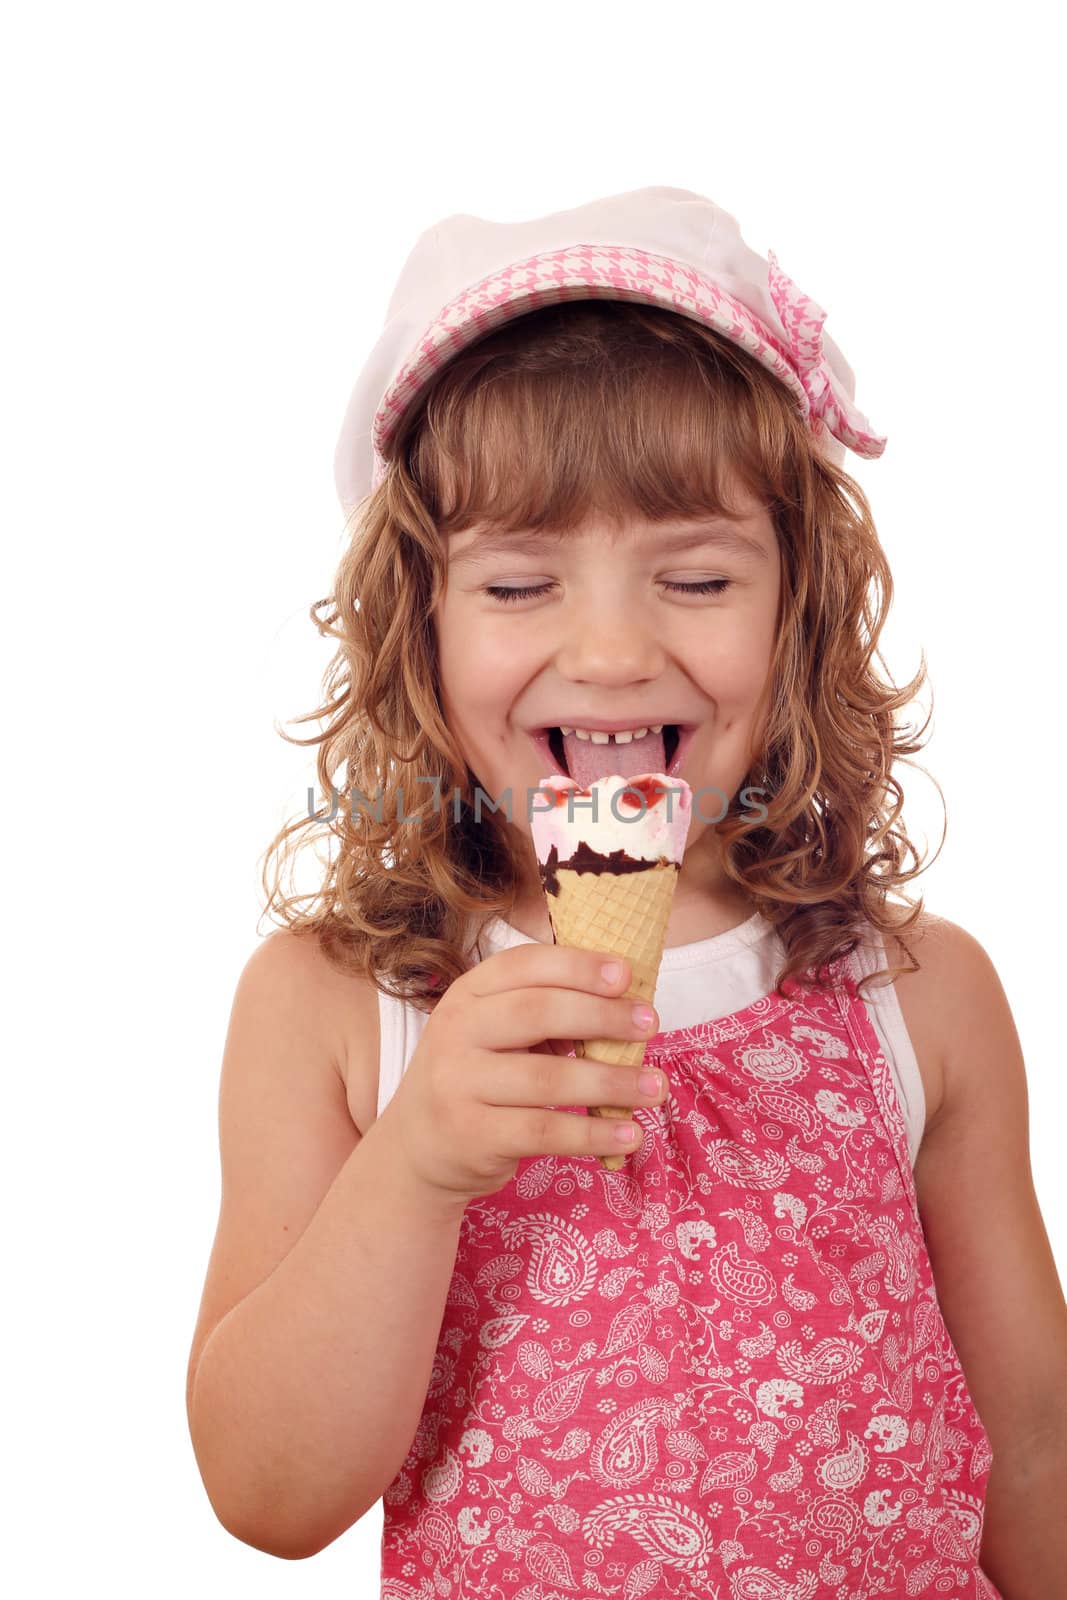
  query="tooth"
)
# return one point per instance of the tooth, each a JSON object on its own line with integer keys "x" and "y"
{"x": 624, "y": 737}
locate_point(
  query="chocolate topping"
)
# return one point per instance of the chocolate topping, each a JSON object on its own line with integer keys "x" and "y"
{"x": 585, "y": 859}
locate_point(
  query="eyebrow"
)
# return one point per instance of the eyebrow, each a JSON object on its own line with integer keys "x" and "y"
{"x": 727, "y": 536}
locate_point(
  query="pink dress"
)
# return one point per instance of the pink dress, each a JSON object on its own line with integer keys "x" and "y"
{"x": 720, "y": 1373}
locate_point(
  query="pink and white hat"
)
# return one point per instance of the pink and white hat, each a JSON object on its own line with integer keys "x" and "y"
{"x": 666, "y": 247}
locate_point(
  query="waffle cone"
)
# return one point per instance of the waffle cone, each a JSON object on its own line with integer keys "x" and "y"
{"x": 625, "y": 913}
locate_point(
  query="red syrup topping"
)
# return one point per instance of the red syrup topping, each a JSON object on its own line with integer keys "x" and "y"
{"x": 649, "y": 787}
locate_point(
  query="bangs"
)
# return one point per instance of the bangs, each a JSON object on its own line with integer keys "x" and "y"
{"x": 599, "y": 407}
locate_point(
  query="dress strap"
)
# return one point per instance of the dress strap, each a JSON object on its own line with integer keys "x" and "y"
{"x": 845, "y": 974}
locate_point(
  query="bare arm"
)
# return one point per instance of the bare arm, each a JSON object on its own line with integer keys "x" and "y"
{"x": 309, "y": 1392}
{"x": 326, "y": 1284}
{"x": 312, "y": 1360}
{"x": 995, "y": 1273}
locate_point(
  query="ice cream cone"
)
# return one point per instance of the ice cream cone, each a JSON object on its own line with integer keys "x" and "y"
{"x": 614, "y": 899}
{"x": 627, "y": 915}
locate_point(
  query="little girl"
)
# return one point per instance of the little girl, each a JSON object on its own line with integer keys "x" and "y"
{"x": 600, "y": 523}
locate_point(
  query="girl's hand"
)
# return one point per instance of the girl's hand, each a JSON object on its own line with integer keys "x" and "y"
{"x": 472, "y": 1102}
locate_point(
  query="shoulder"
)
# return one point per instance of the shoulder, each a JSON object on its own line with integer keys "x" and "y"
{"x": 955, "y": 1007}
{"x": 962, "y": 1002}
{"x": 978, "y": 1039}
{"x": 340, "y": 1008}
{"x": 291, "y": 967}
{"x": 954, "y": 995}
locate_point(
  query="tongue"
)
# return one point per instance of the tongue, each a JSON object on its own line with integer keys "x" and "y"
{"x": 586, "y": 761}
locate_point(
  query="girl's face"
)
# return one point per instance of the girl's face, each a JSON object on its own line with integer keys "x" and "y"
{"x": 605, "y": 635}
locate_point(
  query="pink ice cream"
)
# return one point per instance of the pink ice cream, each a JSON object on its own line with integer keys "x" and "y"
{"x": 602, "y": 828}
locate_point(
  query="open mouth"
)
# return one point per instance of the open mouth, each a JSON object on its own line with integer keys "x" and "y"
{"x": 677, "y": 737}
{"x": 671, "y": 737}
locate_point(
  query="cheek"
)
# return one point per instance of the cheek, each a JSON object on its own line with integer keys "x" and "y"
{"x": 478, "y": 663}
{"x": 734, "y": 670}
{"x": 740, "y": 646}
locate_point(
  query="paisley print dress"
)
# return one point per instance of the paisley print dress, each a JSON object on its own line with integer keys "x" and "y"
{"x": 721, "y": 1372}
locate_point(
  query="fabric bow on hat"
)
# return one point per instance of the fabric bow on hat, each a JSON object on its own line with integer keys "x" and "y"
{"x": 802, "y": 319}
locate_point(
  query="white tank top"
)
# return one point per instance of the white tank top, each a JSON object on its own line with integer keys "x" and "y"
{"x": 701, "y": 982}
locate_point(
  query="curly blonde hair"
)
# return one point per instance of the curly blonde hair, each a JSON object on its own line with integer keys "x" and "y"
{"x": 611, "y": 408}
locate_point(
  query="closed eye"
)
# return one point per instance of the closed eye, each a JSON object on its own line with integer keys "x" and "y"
{"x": 704, "y": 586}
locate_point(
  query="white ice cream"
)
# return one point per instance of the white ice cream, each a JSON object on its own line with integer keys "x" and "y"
{"x": 608, "y": 817}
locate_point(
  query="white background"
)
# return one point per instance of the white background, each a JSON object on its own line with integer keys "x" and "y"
{"x": 206, "y": 207}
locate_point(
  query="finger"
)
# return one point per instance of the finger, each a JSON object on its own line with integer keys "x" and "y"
{"x": 529, "y": 966}
{"x": 539, "y": 1081}
{"x": 519, "y": 1133}
{"x": 520, "y": 1019}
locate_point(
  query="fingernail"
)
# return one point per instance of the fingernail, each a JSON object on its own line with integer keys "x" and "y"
{"x": 611, "y": 971}
{"x": 650, "y": 1082}
{"x": 644, "y": 1017}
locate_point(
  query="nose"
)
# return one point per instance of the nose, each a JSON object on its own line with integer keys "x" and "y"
{"x": 606, "y": 644}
